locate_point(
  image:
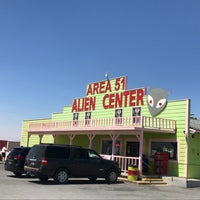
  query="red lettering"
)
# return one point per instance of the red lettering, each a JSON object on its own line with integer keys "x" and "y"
{"x": 123, "y": 81}
{"x": 104, "y": 102}
{"x": 74, "y": 106}
{"x": 126, "y": 93}
{"x": 117, "y": 84}
{"x": 140, "y": 95}
{"x": 95, "y": 88}
{"x": 101, "y": 87}
{"x": 120, "y": 83}
{"x": 112, "y": 101}
{"x": 92, "y": 103}
{"x": 79, "y": 105}
{"x": 86, "y": 104}
{"x": 118, "y": 100}
{"x": 89, "y": 90}
{"x": 108, "y": 87}
{"x": 132, "y": 98}
{"x": 123, "y": 99}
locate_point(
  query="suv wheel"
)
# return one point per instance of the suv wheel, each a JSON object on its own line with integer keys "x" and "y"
{"x": 111, "y": 176}
{"x": 17, "y": 174}
{"x": 61, "y": 176}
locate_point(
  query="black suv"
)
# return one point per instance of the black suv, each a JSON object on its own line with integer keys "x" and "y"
{"x": 61, "y": 162}
{"x": 16, "y": 159}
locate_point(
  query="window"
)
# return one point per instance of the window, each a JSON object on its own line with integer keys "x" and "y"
{"x": 75, "y": 119}
{"x": 87, "y": 118}
{"x": 136, "y": 113}
{"x": 57, "y": 152}
{"x": 93, "y": 155}
{"x": 79, "y": 154}
{"x": 118, "y": 116}
{"x": 107, "y": 147}
{"x": 169, "y": 147}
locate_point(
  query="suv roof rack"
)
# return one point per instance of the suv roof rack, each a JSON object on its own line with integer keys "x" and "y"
{"x": 52, "y": 144}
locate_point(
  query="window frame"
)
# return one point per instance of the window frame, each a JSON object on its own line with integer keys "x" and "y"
{"x": 88, "y": 118}
{"x": 75, "y": 118}
{"x": 110, "y": 140}
{"x": 167, "y": 141}
{"x": 118, "y": 116}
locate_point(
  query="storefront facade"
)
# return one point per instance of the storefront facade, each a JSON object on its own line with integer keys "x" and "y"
{"x": 126, "y": 125}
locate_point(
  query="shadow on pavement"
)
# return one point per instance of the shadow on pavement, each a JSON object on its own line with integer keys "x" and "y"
{"x": 73, "y": 182}
{"x": 23, "y": 176}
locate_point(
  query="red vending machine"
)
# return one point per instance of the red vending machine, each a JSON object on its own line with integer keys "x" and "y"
{"x": 161, "y": 163}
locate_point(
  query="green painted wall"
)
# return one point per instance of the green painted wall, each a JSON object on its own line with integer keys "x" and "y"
{"x": 62, "y": 139}
{"x": 174, "y": 110}
{"x": 34, "y": 139}
{"x": 194, "y": 156}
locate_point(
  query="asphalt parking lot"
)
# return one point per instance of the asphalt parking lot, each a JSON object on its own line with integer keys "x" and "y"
{"x": 31, "y": 188}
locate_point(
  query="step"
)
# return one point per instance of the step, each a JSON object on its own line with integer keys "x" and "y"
{"x": 151, "y": 180}
{"x": 147, "y": 180}
{"x": 151, "y": 183}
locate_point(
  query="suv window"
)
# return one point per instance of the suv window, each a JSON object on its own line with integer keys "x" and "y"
{"x": 37, "y": 151}
{"x": 79, "y": 154}
{"x": 17, "y": 151}
{"x": 57, "y": 152}
{"x": 93, "y": 155}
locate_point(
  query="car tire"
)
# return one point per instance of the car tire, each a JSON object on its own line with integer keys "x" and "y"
{"x": 17, "y": 174}
{"x": 61, "y": 176}
{"x": 43, "y": 178}
{"x": 111, "y": 176}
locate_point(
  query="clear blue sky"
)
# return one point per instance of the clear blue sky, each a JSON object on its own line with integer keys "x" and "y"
{"x": 51, "y": 49}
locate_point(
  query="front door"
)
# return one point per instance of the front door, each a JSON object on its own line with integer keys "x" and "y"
{"x": 132, "y": 149}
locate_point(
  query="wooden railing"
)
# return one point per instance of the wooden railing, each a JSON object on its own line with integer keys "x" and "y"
{"x": 123, "y": 162}
{"x": 104, "y": 123}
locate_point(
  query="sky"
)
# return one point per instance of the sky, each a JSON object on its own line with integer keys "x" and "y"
{"x": 51, "y": 49}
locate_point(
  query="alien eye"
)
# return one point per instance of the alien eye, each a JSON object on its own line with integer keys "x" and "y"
{"x": 161, "y": 103}
{"x": 150, "y": 100}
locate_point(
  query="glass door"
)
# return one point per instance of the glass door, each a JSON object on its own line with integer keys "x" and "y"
{"x": 132, "y": 149}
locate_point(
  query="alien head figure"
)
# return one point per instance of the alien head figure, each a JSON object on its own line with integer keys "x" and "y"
{"x": 156, "y": 100}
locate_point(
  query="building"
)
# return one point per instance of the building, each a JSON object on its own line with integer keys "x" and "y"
{"x": 9, "y": 144}
{"x": 133, "y": 126}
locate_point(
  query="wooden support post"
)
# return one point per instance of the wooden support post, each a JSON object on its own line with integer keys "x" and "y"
{"x": 141, "y": 151}
{"x": 91, "y": 137}
{"x": 28, "y": 138}
{"x": 71, "y": 137}
{"x": 114, "y": 138}
{"x": 54, "y": 138}
{"x": 41, "y": 136}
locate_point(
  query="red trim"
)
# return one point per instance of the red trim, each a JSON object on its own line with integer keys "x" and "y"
{"x": 132, "y": 173}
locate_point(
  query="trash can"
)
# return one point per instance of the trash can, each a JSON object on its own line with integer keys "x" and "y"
{"x": 133, "y": 173}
